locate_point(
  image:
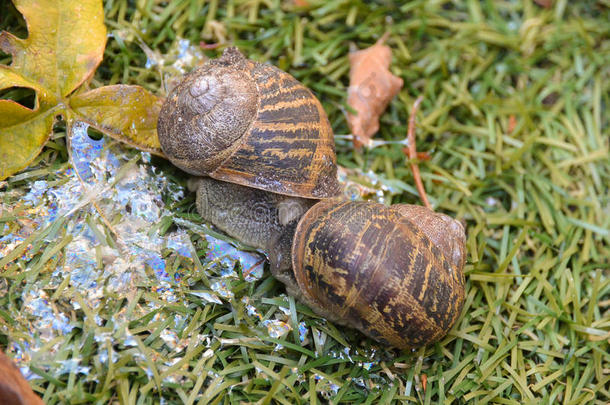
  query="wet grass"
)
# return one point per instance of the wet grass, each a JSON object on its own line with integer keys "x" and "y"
{"x": 515, "y": 118}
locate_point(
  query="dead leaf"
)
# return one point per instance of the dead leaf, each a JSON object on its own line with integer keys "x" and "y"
{"x": 65, "y": 44}
{"x": 544, "y": 3}
{"x": 512, "y": 123}
{"x": 14, "y": 389}
{"x": 371, "y": 88}
{"x": 204, "y": 45}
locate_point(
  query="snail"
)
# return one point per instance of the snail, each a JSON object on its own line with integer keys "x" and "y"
{"x": 250, "y": 124}
{"x": 355, "y": 263}
{"x": 394, "y": 273}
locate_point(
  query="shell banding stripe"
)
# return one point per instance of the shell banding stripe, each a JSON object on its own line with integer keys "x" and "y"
{"x": 386, "y": 297}
{"x": 290, "y": 136}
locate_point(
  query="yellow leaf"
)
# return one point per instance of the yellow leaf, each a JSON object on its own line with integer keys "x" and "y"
{"x": 65, "y": 44}
{"x": 127, "y": 113}
{"x": 12, "y": 112}
{"x": 21, "y": 143}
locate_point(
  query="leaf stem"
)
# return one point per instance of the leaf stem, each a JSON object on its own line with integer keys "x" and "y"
{"x": 411, "y": 153}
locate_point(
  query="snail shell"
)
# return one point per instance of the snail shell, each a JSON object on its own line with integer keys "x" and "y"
{"x": 251, "y": 124}
{"x": 370, "y": 267}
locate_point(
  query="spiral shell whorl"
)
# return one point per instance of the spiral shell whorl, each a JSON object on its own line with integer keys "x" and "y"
{"x": 444, "y": 231}
{"x": 206, "y": 116}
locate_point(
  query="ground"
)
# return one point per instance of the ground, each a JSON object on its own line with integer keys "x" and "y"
{"x": 138, "y": 306}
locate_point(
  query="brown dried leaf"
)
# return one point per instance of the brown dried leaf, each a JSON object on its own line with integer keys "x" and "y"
{"x": 544, "y": 3}
{"x": 14, "y": 389}
{"x": 371, "y": 88}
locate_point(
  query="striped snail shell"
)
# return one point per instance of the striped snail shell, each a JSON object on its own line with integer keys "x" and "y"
{"x": 394, "y": 273}
{"x": 252, "y": 124}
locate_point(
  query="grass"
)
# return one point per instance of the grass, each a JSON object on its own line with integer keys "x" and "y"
{"x": 515, "y": 117}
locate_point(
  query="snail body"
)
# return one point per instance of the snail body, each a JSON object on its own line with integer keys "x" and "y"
{"x": 260, "y": 219}
{"x": 266, "y": 150}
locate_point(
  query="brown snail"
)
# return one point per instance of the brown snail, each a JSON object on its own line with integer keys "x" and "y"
{"x": 250, "y": 124}
{"x": 394, "y": 273}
